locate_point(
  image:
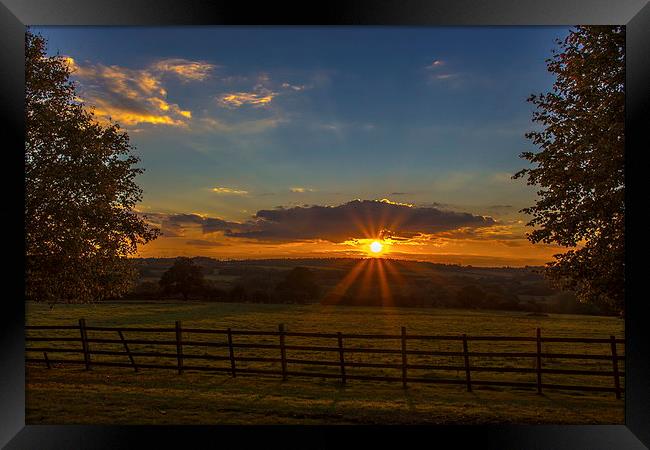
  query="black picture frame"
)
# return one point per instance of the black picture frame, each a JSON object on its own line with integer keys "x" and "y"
{"x": 16, "y": 14}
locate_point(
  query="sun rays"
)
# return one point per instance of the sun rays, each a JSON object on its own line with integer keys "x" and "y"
{"x": 368, "y": 278}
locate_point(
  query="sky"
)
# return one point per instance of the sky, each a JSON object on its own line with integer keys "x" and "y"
{"x": 265, "y": 142}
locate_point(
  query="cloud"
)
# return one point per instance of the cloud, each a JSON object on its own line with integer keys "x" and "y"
{"x": 355, "y": 219}
{"x": 437, "y": 63}
{"x": 204, "y": 243}
{"x": 300, "y": 190}
{"x": 134, "y": 96}
{"x": 262, "y": 94}
{"x": 171, "y": 225}
{"x": 294, "y": 87}
{"x": 436, "y": 74}
{"x": 259, "y": 97}
{"x": 175, "y": 225}
{"x": 184, "y": 69}
{"x": 225, "y": 190}
{"x": 445, "y": 76}
{"x": 245, "y": 127}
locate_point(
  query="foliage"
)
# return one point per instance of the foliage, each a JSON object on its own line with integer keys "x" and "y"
{"x": 470, "y": 296}
{"x": 580, "y": 165}
{"x": 238, "y": 293}
{"x": 298, "y": 285}
{"x": 184, "y": 277}
{"x": 412, "y": 284}
{"x": 80, "y": 193}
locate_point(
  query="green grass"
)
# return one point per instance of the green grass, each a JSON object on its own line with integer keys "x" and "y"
{"x": 69, "y": 394}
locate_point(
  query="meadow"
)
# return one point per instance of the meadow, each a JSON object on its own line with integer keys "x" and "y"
{"x": 70, "y": 394}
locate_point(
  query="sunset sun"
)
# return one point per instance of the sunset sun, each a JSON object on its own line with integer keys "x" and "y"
{"x": 376, "y": 247}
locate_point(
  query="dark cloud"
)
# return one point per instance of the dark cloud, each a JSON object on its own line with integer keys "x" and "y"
{"x": 355, "y": 219}
{"x": 204, "y": 243}
{"x": 173, "y": 225}
{"x": 211, "y": 225}
{"x": 435, "y": 205}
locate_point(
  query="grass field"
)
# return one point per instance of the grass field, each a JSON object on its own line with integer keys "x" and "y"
{"x": 69, "y": 394}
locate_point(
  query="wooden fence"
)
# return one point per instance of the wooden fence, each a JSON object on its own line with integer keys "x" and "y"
{"x": 186, "y": 361}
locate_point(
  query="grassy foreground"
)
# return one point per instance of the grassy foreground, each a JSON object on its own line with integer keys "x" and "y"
{"x": 70, "y": 395}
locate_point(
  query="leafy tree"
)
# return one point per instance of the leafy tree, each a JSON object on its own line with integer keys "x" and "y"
{"x": 580, "y": 165}
{"x": 184, "y": 277}
{"x": 80, "y": 193}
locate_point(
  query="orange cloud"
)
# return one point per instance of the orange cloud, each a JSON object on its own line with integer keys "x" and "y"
{"x": 184, "y": 69}
{"x": 260, "y": 97}
{"x": 194, "y": 234}
{"x": 130, "y": 96}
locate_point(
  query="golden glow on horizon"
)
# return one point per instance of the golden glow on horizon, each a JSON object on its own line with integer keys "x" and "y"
{"x": 497, "y": 246}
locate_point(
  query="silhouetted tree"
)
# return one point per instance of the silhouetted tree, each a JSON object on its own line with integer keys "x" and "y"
{"x": 80, "y": 193}
{"x": 470, "y": 296}
{"x": 145, "y": 290}
{"x": 298, "y": 285}
{"x": 184, "y": 277}
{"x": 580, "y": 165}
{"x": 238, "y": 293}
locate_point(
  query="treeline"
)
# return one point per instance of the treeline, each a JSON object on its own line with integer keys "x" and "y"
{"x": 407, "y": 284}
{"x": 185, "y": 279}
{"x": 468, "y": 297}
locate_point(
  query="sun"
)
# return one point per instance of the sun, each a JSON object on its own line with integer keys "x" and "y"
{"x": 376, "y": 247}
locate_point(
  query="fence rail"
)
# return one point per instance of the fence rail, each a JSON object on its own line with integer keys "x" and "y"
{"x": 183, "y": 360}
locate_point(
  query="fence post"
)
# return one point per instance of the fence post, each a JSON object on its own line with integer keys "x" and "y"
{"x": 283, "y": 353}
{"x": 231, "y": 351}
{"x": 128, "y": 352}
{"x": 539, "y": 360}
{"x": 468, "y": 376}
{"x": 84, "y": 342}
{"x": 47, "y": 361}
{"x": 617, "y": 381}
{"x": 341, "y": 357}
{"x": 179, "y": 346}
{"x": 404, "y": 357}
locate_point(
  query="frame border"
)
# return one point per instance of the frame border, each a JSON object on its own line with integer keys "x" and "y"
{"x": 635, "y": 14}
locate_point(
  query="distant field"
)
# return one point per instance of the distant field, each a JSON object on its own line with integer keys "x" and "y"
{"x": 69, "y": 394}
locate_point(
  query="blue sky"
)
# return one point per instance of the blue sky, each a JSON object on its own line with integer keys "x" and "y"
{"x": 260, "y": 117}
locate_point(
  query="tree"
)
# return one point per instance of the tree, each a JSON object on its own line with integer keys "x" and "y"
{"x": 183, "y": 277}
{"x": 298, "y": 286}
{"x": 470, "y": 296}
{"x": 238, "y": 293}
{"x": 80, "y": 193}
{"x": 580, "y": 165}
